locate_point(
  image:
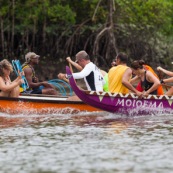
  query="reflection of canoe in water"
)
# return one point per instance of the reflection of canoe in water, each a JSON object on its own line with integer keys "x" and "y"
{"x": 128, "y": 104}
{"x": 42, "y": 104}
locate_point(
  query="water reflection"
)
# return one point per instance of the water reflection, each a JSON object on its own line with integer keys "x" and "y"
{"x": 86, "y": 142}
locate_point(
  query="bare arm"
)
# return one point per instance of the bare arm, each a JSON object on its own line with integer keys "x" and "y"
{"x": 12, "y": 85}
{"x": 167, "y": 72}
{"x": 153, "y": 79}
{"x": 134, "y": 80}
{"x": 76, "y": 65}
{"x": 168, "y": 80}
{"x": 126, "y": 83}
{"x": 28, "y": 75}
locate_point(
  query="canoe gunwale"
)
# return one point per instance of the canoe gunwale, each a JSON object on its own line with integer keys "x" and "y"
{"x": 123, "y": 103}
{"x": 130, "y": 95}
{"x": 41, "y": 99}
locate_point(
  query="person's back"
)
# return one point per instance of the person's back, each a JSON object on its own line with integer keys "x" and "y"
{"x": 90, "y": 72}
{"x": 104, "y": 74}
{"x": 93, "y": 77}
{"x": 116, "y": 73}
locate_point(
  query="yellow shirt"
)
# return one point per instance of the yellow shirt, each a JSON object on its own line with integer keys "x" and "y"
{"x": 115, "y": 75}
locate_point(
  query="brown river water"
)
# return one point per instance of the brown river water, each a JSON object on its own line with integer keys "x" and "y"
{"x": 98, "y": 142}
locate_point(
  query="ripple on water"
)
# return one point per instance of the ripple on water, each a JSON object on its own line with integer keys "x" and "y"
{"x": 85, "y": 142}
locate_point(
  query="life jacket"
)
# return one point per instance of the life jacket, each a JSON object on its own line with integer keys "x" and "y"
{"x": 25, "y": 65}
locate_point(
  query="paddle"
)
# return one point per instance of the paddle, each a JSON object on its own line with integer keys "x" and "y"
{"x": 56, "y": 83}
{"x": 65, "y": 79}
{"x": 71, "y": 69}
{"x": 18, "y": 68}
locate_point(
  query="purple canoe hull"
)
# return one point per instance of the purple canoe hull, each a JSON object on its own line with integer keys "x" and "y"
{"x": 128, "y": 104}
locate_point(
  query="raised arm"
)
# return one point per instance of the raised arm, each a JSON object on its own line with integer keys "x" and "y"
{"x": 167, "y": 72}
{"x": 76, "y": 65}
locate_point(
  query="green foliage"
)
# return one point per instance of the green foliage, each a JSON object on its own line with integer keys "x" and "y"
{"x": 142, "y": 28}
{"x": 146, "y": 13}
{"x": 4, "y": 8}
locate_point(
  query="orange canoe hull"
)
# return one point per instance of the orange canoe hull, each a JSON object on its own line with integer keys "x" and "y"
{"x": 42, "y": 105}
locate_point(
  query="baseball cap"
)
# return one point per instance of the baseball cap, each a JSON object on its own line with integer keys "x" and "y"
{"x": 30, "y": 55}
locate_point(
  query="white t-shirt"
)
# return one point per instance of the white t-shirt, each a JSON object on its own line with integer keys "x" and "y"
{"x": 92, "y": 76}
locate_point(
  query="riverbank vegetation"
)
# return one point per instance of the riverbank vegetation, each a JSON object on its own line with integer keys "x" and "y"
{"x": 59, "y": 28}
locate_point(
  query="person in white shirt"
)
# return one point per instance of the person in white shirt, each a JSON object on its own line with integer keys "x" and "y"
{"x": 90, "y": 72}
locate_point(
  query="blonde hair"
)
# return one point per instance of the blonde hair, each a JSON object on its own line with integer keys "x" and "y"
{"x": 5, "y": 64}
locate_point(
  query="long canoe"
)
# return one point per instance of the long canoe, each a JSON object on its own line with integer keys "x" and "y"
{"x": 128, "y": 104}
{"x": 26, "y": 104}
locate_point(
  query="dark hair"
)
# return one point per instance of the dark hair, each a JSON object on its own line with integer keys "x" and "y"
{"x": 138, "y": 64}
{"x": 123, "y": 57}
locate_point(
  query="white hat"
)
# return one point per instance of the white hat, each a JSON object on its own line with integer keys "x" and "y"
{"x": 30, "y": 55}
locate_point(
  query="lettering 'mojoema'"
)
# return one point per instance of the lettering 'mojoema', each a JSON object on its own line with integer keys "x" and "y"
{"x": 138, "y": 103}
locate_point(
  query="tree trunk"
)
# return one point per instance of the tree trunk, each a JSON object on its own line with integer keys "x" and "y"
{"x": 34, "y": 33}
{"x": 13, "y": 24}
{"x": 2, "y": 36}
{"x": 107, "y": 33}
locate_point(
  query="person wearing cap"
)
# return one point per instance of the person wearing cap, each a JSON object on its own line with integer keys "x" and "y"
{"x": 89, "y": 71}
{"x": 35, "y": 87}
{"x": 8, "y": 88}
{"x": 104, "y": 73}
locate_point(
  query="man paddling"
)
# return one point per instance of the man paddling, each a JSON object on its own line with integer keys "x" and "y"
{"x": 119, "y": 76}
{"x": 35, "y": 87}
{"x": 104, "y": 73}
{"x": 90, "y": 72}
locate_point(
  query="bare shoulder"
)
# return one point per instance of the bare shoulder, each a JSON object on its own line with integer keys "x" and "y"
{"x": 27, "y": 70}
{"x": 128, "y": 70}
{"x": 1, "y": 79}
{"x": 149, "y": 73}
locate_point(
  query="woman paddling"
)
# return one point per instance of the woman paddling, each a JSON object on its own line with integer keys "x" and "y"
{"x": 8, "y": 88}
{"x": 149, "y": 82}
